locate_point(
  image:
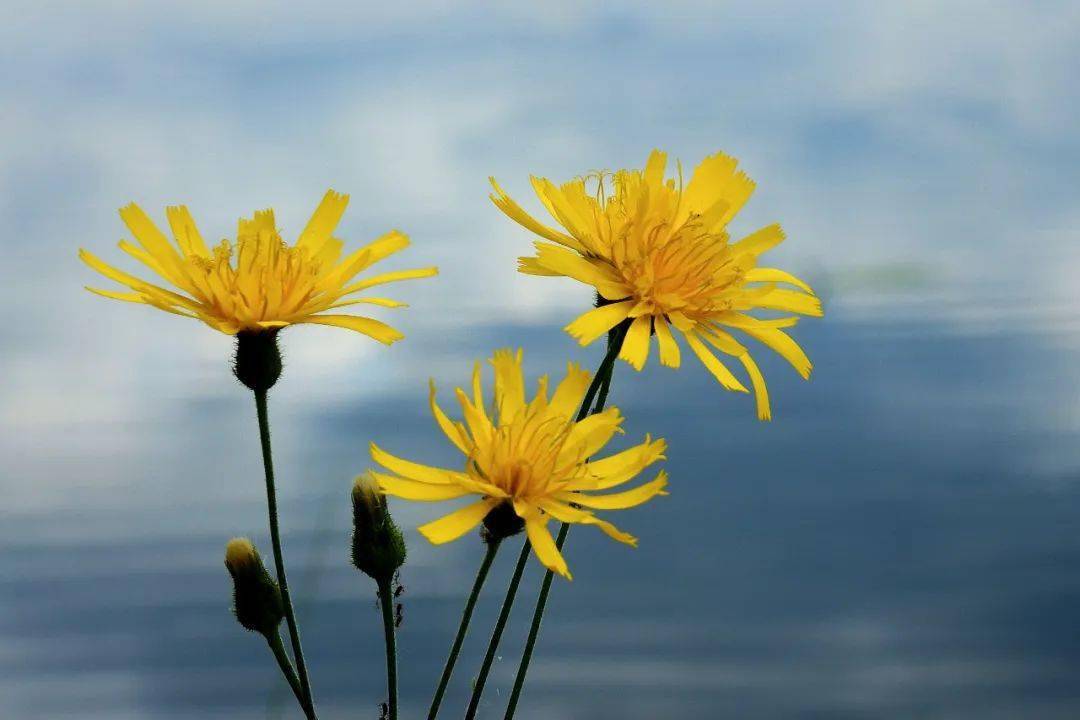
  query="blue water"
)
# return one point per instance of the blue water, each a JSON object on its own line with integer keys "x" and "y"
{"x": 903, "y": 541}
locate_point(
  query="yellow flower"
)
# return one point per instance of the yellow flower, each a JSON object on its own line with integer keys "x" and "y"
{"x": 528, "y": 456}
{"x": 659, "y": 254}
{"x": 258, "y": 283}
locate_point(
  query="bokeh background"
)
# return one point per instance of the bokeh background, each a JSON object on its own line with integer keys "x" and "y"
{"x": 902, "y": 541}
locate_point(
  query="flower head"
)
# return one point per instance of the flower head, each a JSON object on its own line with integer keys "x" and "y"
{"x": 528, "y": 456}
{"x": 659, "y": 255}
{"x": 259, "y": 282}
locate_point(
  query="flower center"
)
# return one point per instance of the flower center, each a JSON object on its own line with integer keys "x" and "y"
{"x": 522, "y": 457}
{"x": 268, "y": 280}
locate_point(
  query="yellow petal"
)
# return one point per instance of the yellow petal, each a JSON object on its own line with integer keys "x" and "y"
{"x": 776, "y": 275}
{"x": 457, "y": 523}
{"x": 619, "y": 500}
{"x": 155, "y": 242}
{"x": 544, "y": 546}
{"x": 571, "y": 391}
{"x": 509, "y": 384}
{"x": 514, "y": 211}
{"x": 367, "y": 326}
{"x": 761, "y": 393}
{"x": 759, "y": 241}
{"x": 389, "y": 278}
{"x": 717, "y": 368}
{"x": 598, "y": 321}
{"x": 454, "y": 431}
{"x": 589, "y": 435}
{"x": 413, "y": 490}
{"x": 654, "y": 168}
{"x": 562, "y": 209}
{"x": 476, "y": 419}
{"x": 323, "y": 221}
{"x": 132, "y": 297}
{"x": 185, "y": 231}
{"x": 412, "y": 470}
{"x": 635, "y": 347}
{"x": 788, "y": 301}
{"x": 564, "y": 262}
{"x": 716, "y": 192}
{"x": 617, "y": 469}
{"x": 669, "y": 348}
{"x": 781, "y": 343}
{"x": 381, "y": 302}
{"x": 135, "y": 283}
{"x": 565, "y": 513}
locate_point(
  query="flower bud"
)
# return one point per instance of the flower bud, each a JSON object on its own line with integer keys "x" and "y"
{"x": 256, "y": 598}
{"x": 378, "y": 549}
{"x": 500, "y": 523}
{"x": 257, "y": 361}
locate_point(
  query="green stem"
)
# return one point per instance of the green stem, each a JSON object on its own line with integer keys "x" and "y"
{"x": 604, "y": 374}
{"x": 496, "y": 634}
{"x": 279, "y": 560}
{"x": 386, "y": 602}
{"x": 274, "y": 641}
{"x": 463, "y": 628}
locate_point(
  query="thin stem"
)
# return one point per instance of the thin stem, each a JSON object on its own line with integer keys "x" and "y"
{"x": 386, "y": 602}
{"x": 274, "y": 641}
{"x": 279, "y": 559}
{"x": 496, "y": 634}
{"x": 604, "y": 374}
{"x": 463, "y": 628}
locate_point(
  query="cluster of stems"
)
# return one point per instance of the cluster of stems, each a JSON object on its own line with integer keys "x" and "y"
{"x": 258, "y": 365}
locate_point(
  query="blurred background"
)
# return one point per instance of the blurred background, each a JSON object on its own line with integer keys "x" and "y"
{"x": 902, "y": 541}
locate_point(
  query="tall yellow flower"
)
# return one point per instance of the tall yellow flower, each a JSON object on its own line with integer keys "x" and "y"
{"x": 659, "y": 254}
{"x": 528, "y": 457}
{"x": 258, "y": 282}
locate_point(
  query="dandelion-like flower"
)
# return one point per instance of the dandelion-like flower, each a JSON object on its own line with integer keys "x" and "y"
{"x": 259, "y": 282}
{"x": 528, "y": 458}
{"x": 659, "y": 254}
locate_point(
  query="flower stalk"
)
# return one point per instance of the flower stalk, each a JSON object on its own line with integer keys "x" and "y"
{"x": 463, "y": 628}
{"x": 603, "y": 381}
{"x": 496, "y": 633}
{"x": 386, "y": 604}
{"x": 257, "y": 365}
{"x": 378, "y": 551}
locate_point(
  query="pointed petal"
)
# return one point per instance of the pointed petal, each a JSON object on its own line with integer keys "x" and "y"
{"x": 457, "y": 523}
{"x": 544, "y": 546}
{"x": 509, "y": 383}
{"x": 620, "y": 500}
{"x": 367, "y": 326}
{"x": 419, "y": 491}
{"x": 717, "y": 368}
{"x": 635, "y": 347}
{"x": 412, "y": 470}
{"x": 669, "y": 348}
{"x": 598, "y": 321}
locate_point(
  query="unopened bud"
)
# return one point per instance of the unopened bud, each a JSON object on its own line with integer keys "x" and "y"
{"x": 256, "y": 598}
{"x": 257, "y": 362}
{"x": 378, "y": 549}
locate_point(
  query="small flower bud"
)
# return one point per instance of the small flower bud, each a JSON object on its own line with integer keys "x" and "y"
{"x": 378, "y": 549}
{"x": 256, "y": 599}
{"x": 257, "y": 361}
{"x": 502, "y": 522}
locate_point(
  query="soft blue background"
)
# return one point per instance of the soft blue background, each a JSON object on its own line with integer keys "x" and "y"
{"x": 903, "y": 541}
